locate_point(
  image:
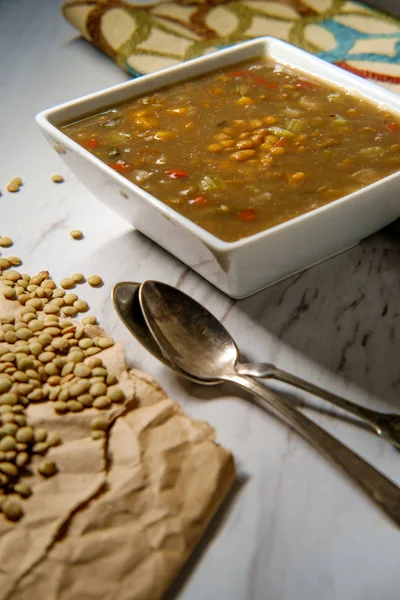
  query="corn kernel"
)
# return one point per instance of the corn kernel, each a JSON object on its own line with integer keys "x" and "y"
{"x": 214, "y": 148}
{"x": 270, "y": 120}
{"x": 278, "y": 151}
{"x": 163, "y": 135}
{"x": 245, "y": 101}
{"x": 298, "y": 177}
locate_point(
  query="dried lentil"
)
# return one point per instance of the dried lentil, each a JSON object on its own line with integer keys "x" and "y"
{"x": 76, "y": 234}
{"x": 57, "y": 178}
{"x": 94, "y": 280}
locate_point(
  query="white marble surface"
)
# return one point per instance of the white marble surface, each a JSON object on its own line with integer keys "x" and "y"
{"x": 295, "y": 529}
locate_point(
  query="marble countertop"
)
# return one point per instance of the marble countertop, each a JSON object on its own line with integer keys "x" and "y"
{"x": 294, "y": 528}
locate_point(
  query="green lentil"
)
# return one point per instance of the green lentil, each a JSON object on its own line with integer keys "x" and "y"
{"x": 40, "y": 434}
{"x": 86, "y": 400}
{"x": 67, "y": 283}
{"x": 22, "y": 459}
{"x": 116, "y": 394}
{"x": 102, "y": 402}
{"x": 25, "y": 435}
{"x": 5, "y": 242}
{"x": 8, "y": 293}
{"x": 70, "y": 298}
{"x": 81, "y": 305}
{"x": 60, "y": 406}
{"x": 78, "y": 388}
{"x": 89, "y": 320}
{"x": 76, "y": 356}
{"x": 82, "y": 370}
{"x": 9, "y": 398}
{"x": 94, "y": 280}
{"x": 69, "y": 311}
{"x": 104, "y": 342}
{"x": 53, "y": 440}
{"x": 23, "y": 490}
{"x": 85, "y": 343}
{"x": 92, "y": 351}
{"x": 76, "y": 234}
{"x": 7, "y": 443}
{"x": 58, "y": 293}
{"x": 99, "y": 423}
{"x": 75, "y": 405}
{"x": 12, "y": 510}
{"x": 47, "y": 468}
{"x": 5, "y": 385}
{"x": 52, "y": 308}
{"x": 8, "y": 469}
{"x": 40, "y": 448}
{"x": 46, "y": 357}
{"x": 78, "y": 277}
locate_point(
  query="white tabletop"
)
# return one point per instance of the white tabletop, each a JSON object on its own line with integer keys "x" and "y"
{"x": 296, "y": 528}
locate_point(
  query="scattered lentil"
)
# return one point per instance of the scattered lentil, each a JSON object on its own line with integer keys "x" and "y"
{"x": 78, "y": 277}
{"x": 89, "y": 320}
{"x": 94, "y": 280}
{"x": 5, "y": 242}
{"x": 47, "y": 468}
{"x": 12, "y": 510}
{"x": 57, "y": 178}
{"x": 67, "y": 283}
{"x": 14, "y": 260}
{"x": 81, "y": 305}
{"x": 102, "y": 402}
{"x": 76, "y": 234}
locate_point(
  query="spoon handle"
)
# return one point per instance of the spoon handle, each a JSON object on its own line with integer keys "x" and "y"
{"x": 271, "y": 372}
{"x": 381, "y": 490}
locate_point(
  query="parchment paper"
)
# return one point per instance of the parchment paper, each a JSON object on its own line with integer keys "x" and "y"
{"x": 121, "y": 517}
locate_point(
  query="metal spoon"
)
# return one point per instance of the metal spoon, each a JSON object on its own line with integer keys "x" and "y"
{"x": 198, "y": 344}
{"x": 126, "y": 301}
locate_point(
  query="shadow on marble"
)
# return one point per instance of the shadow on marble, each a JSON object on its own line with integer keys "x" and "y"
{"x": 343, "y": 314}
{"x": 212, "y": 531}
{"x": 227, "y": 390}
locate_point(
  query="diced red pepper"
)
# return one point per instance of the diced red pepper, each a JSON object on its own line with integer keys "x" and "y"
{"x": 271, "y": 85}
{"x": 282, "y": 142}
{"x": 119, "y": 166}
{"x": 392, "y": 127}
{"x": 177, "y": 174}
{"x": 247, "y": 215}
{"x": 199, "y": 200}
{"x": 91, "y": 144}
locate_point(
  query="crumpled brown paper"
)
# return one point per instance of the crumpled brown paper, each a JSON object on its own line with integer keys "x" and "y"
{"x": 121, "y": 517}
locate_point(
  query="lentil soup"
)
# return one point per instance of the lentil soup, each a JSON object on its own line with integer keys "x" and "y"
{"x": 243, "y": 149}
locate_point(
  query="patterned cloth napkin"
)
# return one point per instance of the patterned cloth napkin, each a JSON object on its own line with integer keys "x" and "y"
{"x": 149, "y": 35}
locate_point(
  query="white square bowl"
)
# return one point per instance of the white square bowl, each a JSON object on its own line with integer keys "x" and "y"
{"x": 244, "y": 267}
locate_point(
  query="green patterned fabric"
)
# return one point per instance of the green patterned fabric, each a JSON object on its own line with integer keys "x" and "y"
{"x": 147, "y": 36}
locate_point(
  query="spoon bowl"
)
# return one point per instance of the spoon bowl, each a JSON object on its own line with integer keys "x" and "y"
{"x": 125, "y": 296}
{"x": 187, "y": 333}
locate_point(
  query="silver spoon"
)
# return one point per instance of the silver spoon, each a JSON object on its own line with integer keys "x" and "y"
{"x": 126, "y": 302}
{"x": 198, "y": 344}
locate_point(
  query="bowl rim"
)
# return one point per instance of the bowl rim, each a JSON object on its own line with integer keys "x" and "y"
{"x": 44, "y": 120}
